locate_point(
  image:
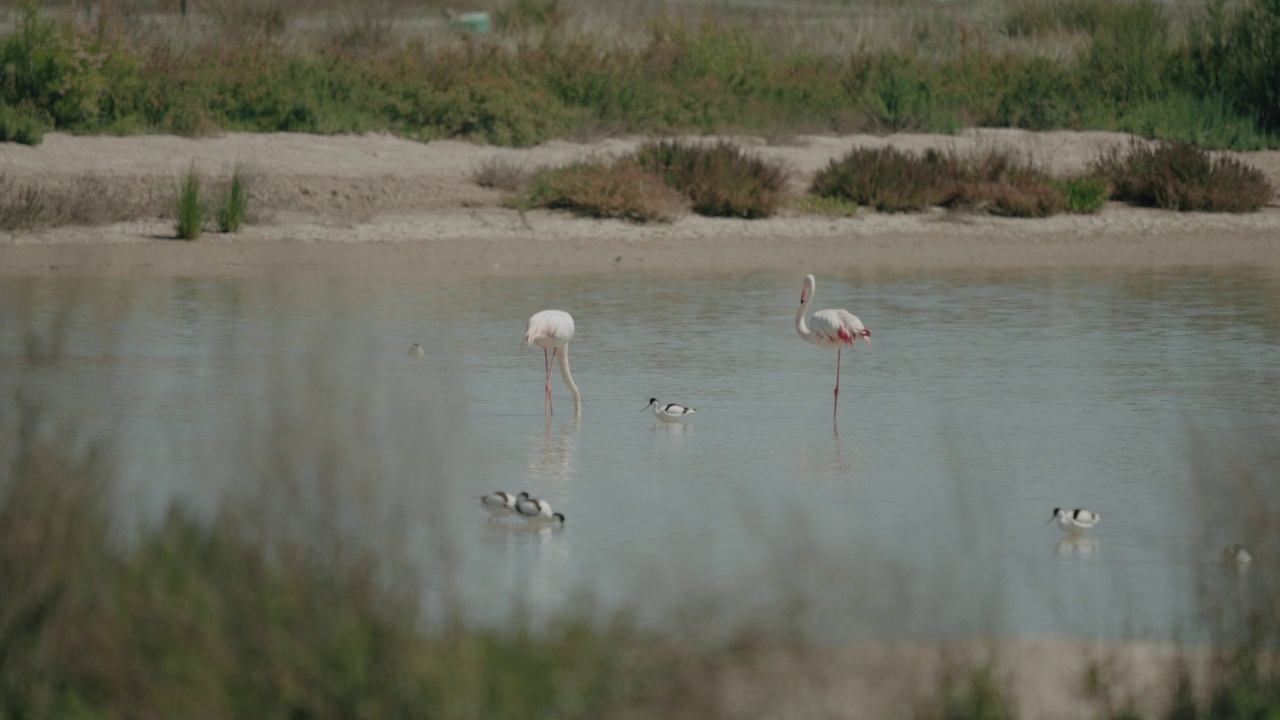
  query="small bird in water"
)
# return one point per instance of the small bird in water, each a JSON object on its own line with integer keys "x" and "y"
{"x": 1238, "y": 555}
{"x": 536, "y": 511}
{"x": 416, "y": 350}
{"x": 500, "y": 504}
{"x": 670, "y": 412}
{"x": 1074, "y": 521}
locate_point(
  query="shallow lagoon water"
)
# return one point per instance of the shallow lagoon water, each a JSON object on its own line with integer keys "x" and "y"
{"x": 987, "y": 400}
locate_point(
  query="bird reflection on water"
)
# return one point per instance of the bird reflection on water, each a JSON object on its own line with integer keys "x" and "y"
{"x": 1077, "y": 546}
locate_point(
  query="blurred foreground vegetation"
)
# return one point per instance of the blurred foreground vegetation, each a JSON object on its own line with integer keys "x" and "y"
{"x": 1208, "y": 76}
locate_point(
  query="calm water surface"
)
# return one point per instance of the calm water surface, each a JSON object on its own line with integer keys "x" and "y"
{"x": 987, "y": 400}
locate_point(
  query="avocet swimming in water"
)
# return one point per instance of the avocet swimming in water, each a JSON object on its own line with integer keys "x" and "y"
{"x": 500, "y": 504}
{"x": 536, "y": 511}
{"x": 1074, "y": 521}
{"x": 670, "y": 412}
{"x": 416, "y": 350}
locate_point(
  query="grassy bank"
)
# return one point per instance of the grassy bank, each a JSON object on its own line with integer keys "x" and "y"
{"x": 554, "y": 69}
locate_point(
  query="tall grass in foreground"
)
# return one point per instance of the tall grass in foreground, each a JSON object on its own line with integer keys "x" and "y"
{"x": 199, "y": 620}
{"x": 189, "y": 207}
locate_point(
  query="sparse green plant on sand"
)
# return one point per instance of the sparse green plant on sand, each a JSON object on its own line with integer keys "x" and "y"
{"x": 831, "y": 206}
{"x": 235, "y": 198}
{"x": 189, "y": 206}
{"x": 1085, "y": 194}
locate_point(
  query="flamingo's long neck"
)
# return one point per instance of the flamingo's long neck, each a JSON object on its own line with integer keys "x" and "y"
{"x": 568, "y": 380}
{"x": 801, "y": 327}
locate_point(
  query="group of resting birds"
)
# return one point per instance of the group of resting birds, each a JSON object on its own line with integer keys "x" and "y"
{"x": 530, "y": 509}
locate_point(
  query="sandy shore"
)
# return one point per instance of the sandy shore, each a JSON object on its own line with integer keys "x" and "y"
{"x": 381, "y": 205}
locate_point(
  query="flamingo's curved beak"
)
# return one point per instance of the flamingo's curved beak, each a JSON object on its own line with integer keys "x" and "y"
{"x": 866, "y": 335}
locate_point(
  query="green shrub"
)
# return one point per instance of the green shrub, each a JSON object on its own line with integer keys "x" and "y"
{"x": 1207, "y": 121}
{"x": 1178, "y": 176}
{"x": 1129, "y": 57}
{"x": 1086, "y": 194}
{"x": 621, "y": 189}
{"x": 721, "y": 180}
{"x": 1042, "y": 95}
{"x": 80, "y": 81}
{"x": 189, "y": 207}
{"x": 235, "y": 198}
{"x": 1236, "y": 54}
{"x": 20, "y": 127}
{"x": 897, "y": 94}
{"x": 495, "y": 104}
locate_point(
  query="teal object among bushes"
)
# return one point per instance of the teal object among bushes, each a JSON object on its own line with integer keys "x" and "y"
{"x": 474, "y": 22}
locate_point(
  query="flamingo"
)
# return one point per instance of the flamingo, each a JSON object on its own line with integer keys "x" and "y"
{"x": 832, "y": 329}
{"x": 552, "y": 330}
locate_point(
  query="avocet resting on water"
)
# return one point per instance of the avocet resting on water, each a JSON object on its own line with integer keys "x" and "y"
{"x": 416, "y": 350}
{"x": 1073, "y": 521}
{"x": 670, "y": 412}
{"x": 501, "y": 504}
{"x": 534, "y": 511}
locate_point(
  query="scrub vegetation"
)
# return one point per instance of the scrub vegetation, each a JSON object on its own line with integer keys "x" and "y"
{"x": 554, "y": 68}
{"x": 1178, "y": 176}
{"x": 660, "y": 179}
{"x": 86, "y": 200}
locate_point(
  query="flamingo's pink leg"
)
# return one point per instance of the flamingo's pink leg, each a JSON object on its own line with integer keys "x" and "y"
{"x": 835, "y": 403}
{"x": 551, "y": 408}
{"x": 546, "y": 361}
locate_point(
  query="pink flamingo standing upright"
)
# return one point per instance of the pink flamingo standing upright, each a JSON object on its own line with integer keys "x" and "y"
{"x": 552, "y": 330}
{"x": 830, "y": 329}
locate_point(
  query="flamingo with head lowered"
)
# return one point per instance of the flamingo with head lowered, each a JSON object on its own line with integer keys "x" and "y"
{"x": 830, "y": 329}
{"x": 552, "y": 330}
